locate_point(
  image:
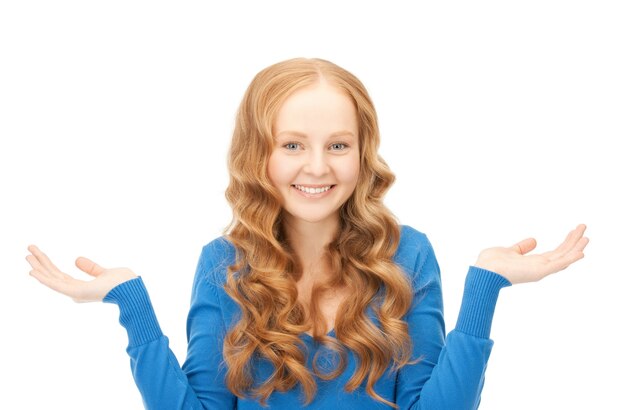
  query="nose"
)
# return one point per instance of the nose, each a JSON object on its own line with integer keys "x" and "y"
{"x": 317, "y": 163}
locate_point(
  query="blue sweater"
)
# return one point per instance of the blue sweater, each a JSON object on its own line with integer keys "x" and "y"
{"x": 450, "y": 375}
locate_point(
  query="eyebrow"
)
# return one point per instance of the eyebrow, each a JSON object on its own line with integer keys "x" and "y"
{"x": 303, "y": 135}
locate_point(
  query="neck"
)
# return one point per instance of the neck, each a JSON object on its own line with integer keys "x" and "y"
{"x": 309, "y": 239}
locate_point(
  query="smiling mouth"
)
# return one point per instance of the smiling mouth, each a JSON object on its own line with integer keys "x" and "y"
{"x": 313, "y": 191}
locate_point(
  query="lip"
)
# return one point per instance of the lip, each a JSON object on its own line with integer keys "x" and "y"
{"x": 320, "y": 195}
{"x": 313, "y": 185}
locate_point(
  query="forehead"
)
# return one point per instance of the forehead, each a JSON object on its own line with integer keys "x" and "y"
{"x": 319, "y": 108}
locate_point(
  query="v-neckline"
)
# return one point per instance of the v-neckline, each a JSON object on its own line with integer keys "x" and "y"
{"x": 329, "y": 334}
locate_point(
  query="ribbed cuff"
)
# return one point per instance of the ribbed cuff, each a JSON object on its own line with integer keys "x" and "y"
{"x": 136, "y": 312}
{"x": 479, "y": 301}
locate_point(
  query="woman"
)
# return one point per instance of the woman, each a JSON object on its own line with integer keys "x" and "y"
{"x": 314, "y": 295}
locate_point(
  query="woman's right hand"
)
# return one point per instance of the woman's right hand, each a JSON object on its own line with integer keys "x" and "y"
{"x": 79, "y": 290}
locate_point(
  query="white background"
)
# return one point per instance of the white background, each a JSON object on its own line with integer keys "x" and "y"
{"x": 501, "y": 120}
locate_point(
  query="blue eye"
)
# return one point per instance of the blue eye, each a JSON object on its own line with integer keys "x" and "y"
{"x": 340, "y": 144}
{"x": 291, "y": 146}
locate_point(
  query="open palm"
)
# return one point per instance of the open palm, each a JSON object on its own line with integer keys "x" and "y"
{"x": 79, "y": 290}
{"x": 517, "y": 267}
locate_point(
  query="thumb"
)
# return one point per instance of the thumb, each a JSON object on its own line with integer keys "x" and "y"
{"x": 525, "y": 246}
{"x": 89, "y": 266}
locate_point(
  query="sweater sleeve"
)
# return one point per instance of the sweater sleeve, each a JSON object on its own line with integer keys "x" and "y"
{"x": 451, "y": 370}
{"x": 163, "y": 384}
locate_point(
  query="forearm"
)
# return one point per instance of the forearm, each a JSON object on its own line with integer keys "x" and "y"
{"x": 451, "y": 373}
{"x": 157, "y": 373}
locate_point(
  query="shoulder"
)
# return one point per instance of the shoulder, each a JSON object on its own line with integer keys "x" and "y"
{"x": 416, "y": 256}
{"x": 211, "y": 274}
{"x": 217, "y": 249}
{"x": 411, "y": 236}
{"x": 414, "y": 246}
{"x": 215, "y": 258}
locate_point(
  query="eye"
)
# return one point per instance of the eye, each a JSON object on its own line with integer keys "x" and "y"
{"x": 291, "y": 146}
{"x": 339, "y": 146}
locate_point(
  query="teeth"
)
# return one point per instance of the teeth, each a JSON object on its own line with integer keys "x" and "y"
{"x": 312, "y": 190}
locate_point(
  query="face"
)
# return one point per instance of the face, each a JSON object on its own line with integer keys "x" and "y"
{"x": 315, "y": 160}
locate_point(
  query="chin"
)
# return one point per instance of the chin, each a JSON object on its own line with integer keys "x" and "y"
{"x": 312, "y": 218}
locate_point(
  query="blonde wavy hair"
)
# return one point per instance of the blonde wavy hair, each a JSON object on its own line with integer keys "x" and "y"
{"x": 263, "y": 279}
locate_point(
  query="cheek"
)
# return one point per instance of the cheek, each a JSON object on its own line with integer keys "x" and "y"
{"x": 349, "y": 170}
{"x": 273, "y": 169}
{"x": 280, "y": 169}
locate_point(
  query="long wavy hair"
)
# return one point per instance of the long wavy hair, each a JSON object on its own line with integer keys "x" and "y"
{"x": 263, "y": 279}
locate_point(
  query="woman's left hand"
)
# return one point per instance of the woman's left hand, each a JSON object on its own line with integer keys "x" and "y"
{"x": 517, "y": 267}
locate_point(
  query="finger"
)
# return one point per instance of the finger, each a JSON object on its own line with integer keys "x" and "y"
{"x": 525, "y": 246}
{"x": 43, "y": 259}
{"x": 581, "y": 244}
{"x": 575, "y": 254}
{"x": 564, "y": 261}
{"x": 36, "y": 265}
{"x": 570, "y": 241}
{"x": 89, "y": 266}
{"x": 66, "y": 286}
{"x": 577, "y": 251}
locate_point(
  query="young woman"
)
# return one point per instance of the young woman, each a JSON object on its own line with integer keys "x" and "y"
{"x": 315, "y": 295}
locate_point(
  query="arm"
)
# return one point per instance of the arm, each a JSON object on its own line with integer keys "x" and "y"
{"x": 163, "y": 384}
{"x": 160, "y": 379}
{"x": 451, "y": 372}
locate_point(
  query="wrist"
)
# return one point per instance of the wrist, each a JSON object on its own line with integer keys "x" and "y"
{"x": 487, "y": 263}
{"x": 479, "y": 301}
